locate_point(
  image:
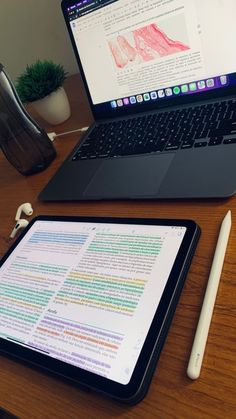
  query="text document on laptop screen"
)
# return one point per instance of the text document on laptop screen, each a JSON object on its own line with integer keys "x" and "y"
{"x": 131, "y": 47}
{"x": 86, "y": 293}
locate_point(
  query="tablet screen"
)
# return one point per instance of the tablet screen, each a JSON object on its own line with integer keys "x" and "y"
{"x": 86, "y": 293}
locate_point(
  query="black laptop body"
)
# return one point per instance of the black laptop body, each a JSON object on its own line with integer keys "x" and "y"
{"x": 161, "y": 82}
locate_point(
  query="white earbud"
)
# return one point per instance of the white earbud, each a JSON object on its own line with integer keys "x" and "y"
{"x": 26, "y": 208}
{"x": 20, "y": 224}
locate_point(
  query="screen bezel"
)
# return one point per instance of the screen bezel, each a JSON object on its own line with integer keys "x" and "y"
{"x": 150, "y": 352}
{"x": 104, "y": 111}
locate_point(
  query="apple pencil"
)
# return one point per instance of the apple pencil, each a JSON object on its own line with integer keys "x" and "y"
{"x": 197, "y": 353}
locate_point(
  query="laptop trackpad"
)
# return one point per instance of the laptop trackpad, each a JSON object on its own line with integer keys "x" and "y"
{"x": 129, "y": 177}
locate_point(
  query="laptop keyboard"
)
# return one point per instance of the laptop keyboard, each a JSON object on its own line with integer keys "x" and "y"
{"x": 198, "y": 126}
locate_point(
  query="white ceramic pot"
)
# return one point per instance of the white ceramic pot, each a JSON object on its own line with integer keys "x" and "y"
{"x": 54, "y": 108}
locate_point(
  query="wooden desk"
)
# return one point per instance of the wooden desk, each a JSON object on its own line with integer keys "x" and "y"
{"x": 29, "y": 393}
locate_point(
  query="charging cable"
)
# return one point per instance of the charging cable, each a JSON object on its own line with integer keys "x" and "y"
{"x": 53, "y": 135}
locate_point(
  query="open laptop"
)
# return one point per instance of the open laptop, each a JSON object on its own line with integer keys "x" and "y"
{"x": 161, "y": 80}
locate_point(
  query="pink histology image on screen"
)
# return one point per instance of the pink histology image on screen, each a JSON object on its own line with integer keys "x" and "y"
{"x": 143, "y": 44}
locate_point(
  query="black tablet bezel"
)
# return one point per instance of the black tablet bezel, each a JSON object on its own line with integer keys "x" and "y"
{"x": 135, "y": 390}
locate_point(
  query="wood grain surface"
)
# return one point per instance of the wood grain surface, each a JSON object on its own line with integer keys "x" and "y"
{"x": 30, "y": 393}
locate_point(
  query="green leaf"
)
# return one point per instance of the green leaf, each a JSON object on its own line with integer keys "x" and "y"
{"x": 39, "y": 80}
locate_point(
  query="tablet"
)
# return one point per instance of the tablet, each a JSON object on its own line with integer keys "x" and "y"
{"x": 91, "y": 299}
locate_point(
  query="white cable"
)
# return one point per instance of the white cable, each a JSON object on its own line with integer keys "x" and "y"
{"x": 53, "y": 135}
{"x": 74, "y": 130}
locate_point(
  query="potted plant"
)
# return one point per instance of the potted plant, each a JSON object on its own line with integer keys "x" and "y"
{"x": 41, "y": 84}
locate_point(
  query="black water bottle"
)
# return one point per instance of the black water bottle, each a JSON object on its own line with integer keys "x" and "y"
{"x": 25, "y": 145}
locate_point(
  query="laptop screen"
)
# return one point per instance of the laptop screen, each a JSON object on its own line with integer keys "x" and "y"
{"x": 137, "y": 52}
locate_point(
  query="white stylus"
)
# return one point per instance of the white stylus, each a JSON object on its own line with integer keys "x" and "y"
{"x": 197, "y": 353}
